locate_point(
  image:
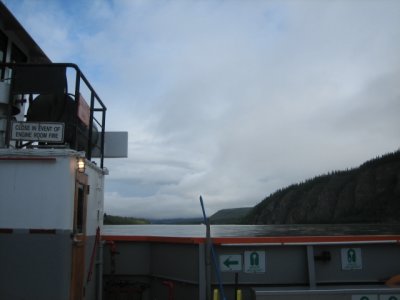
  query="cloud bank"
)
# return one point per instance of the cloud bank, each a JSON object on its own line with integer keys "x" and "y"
{"x": 229, "y": 99}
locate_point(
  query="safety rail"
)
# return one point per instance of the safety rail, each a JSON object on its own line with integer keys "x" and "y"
{"x": 84, "y": 122}
{"x": 264, "y": 267}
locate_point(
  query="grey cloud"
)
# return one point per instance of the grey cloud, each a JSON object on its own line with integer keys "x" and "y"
{"x": 234, "y": 99}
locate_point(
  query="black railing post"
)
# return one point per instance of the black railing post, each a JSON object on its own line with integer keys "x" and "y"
{"x": 75, "y": 117}
{"x": 89, "y": 144}
{"x": 102, "y": 137}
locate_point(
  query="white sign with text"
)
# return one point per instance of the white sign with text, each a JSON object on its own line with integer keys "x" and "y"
{"x": 37, "y": 131}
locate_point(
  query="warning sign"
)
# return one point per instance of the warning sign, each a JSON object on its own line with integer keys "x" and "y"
{"x": 254, "y": 261}
{"x": 37, "y": 131}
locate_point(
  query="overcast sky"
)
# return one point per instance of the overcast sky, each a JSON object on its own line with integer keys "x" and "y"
{"x": 230, "y": 100}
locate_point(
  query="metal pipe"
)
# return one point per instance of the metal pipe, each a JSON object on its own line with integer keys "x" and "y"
{"x": 215, "y": 294}
{"x": 236, "y": 285}
{"x": 99, "y": 281}
{"x": 213, "y": 254}
{"x": 311, "y": 266}
{"x": 208, "y": 260}
{"x": 239, "y": 295}
{"x": 202, "y": 273}
{"x": 170, "y": 286}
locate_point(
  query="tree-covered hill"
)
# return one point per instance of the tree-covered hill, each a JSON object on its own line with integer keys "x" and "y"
{"x": 230, "y": 216}
{"x": 117, "y": 220}
{"x": 369, "y": 193}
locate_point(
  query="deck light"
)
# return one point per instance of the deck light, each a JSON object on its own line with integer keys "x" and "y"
{"x": 81, "y": 165}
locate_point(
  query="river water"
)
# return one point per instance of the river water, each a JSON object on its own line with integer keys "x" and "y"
{"x": 252, "y": 230}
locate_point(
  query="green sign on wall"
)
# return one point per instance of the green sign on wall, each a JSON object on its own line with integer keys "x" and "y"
{"x": 254, "y": 261}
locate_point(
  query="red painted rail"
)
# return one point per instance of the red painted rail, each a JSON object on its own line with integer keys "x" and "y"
{"x": 281, "y": 240}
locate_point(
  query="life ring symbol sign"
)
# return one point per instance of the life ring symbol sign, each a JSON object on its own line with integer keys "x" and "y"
{"x": 364, "y": 297}
{"x": 254, "y": 261}
{"x": 389, "y": 297}
{"x": 352, "y": 260}
{"x": 376, "y": 297}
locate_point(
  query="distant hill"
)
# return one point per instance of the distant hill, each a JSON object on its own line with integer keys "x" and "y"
{"x": 367, "y": 194}
{"x": 230, "y": 216}
{"x": 178, "y": 221}
{"x": 223, "y": 216}
{"x": 117, "y": 220}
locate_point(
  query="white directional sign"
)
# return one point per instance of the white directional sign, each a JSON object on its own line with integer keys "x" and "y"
{"x": 389, "y": 297}
{"x": 364, "y": 297}
{"x": 254, "y": 261}
{"x": 351, "y": 259}
{"x": 231, "y": 262}
{"x": 37, "y": 131}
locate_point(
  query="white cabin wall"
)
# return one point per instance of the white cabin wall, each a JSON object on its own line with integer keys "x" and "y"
{"x": 95, "y": 199}
{"x": 37, "y": 193}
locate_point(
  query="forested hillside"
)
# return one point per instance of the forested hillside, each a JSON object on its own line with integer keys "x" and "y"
{"x": 117, "y": 220}
{"x": 369, "y": 193}
{"x": 230, "y": 215}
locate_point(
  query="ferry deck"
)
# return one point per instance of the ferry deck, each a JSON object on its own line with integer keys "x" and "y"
{"x": 52, "y": 149}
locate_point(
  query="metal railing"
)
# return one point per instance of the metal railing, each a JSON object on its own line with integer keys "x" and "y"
{"x": 32, "y": 80}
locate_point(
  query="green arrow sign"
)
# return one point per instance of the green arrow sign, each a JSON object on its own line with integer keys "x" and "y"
{"x": 228, "y": 262}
